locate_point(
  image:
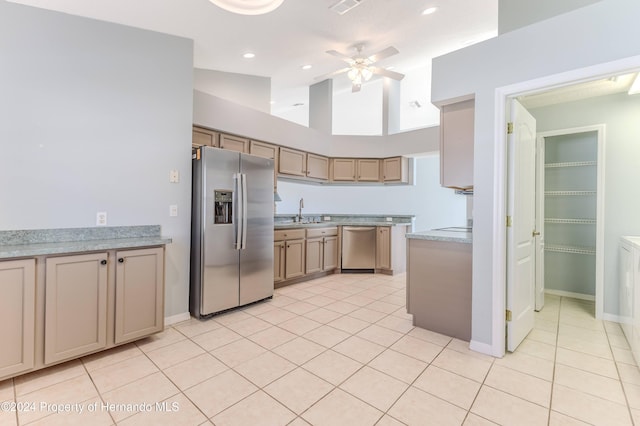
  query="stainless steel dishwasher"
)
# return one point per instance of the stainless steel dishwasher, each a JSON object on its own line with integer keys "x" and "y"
{"x": 359, "y": 248}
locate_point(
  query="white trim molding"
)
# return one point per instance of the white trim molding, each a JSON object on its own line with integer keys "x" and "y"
{"x": 174, "y": 319}
{"x": 571, "y": 294}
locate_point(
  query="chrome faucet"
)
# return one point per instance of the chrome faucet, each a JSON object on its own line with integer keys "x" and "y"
{"x": 300, "y": 210}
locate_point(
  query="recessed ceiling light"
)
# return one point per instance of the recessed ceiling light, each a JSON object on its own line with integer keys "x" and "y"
{"x": 306, "y": 67}
{"x": 249, "y": 55}
{"x": 248, "y": 7}
{"x": 430, "y": 10}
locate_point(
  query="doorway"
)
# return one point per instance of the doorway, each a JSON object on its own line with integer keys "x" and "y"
{"x": 571, "y": 226}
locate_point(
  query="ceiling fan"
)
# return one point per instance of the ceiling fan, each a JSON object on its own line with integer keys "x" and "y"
{"x": 361, "y": 68}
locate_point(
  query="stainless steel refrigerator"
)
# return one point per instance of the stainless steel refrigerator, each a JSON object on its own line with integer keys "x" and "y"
{"x": 231, "y": 230}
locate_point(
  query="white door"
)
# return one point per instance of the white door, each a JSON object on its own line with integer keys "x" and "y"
{"x": 520, "y": 238}
{"x": 540, "y": 224}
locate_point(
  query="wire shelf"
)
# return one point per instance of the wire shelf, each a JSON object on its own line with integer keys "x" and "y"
{"x": 570, "y": 164}
{"x": 570, "y": 221}
{"x": 569, "y": 193}
{"x": 571, "y": 249}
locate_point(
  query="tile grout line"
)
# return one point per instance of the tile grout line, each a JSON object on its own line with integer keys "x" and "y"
{"x": 624, "y": 391}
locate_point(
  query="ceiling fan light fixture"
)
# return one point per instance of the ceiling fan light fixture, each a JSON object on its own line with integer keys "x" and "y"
{"x": 366, "y": 73}
{"x": 248, "y": 7}
{"x": 430, "y": 10}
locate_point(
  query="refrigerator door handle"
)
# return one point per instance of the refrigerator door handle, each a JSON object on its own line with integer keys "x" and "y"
{"x": 237, "y": 211}
{"x": 244, "y": 211}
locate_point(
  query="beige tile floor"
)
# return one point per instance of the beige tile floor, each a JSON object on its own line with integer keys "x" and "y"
{"x": 340, "y": 350}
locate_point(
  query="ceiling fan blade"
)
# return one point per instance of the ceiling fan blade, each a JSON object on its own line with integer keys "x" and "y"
{"x": 385, "y": 53}
{"x": 347, "y": 59}
{"x": 386, "y": 73}
{"x": 332, "y": 74}
{"x": 355, "y": 87}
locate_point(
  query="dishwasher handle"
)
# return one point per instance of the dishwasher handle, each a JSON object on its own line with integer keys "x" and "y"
{"x": 359, "y": 228}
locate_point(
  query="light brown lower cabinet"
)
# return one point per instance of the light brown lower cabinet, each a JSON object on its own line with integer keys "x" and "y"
{"x": 278, "y": 261}
{"x": 383, "y": 247}
{"x": 139, "y": 293}
{"x": 85, "y": 302}
{"x": 17, "y": 316}
{"x": 294, "y": 259}
{"x": 75, "y": 306}
{"x": 391, "y": 249}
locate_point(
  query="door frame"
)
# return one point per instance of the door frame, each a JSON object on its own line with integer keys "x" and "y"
{"x": 600, "y": 130}
{"x": 499, "y": 247}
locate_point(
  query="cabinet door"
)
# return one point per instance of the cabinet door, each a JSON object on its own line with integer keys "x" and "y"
{"x": 278, "y": 261}
{"x": 344, "y": 169}
{"x": 139, "y": 293}
{"x": 314, "y": 255}
{"x": 75, "y": 306}
{"x": 294, "y": 259}
{"x": 456, "y": 145}
{"x": 234, "y": 143}
{"x": 317, "y": 167}
{"x": 383, "y": 247}
{"x": 292, "y": 162}
{"x": 368, "y": 170}
{"x": 200, "y": 137}
{"x": 266, "y": 150}
{"x": 17, "y": 315}
{"x": 395, "y": 169}
{"x": 330, "y": 255}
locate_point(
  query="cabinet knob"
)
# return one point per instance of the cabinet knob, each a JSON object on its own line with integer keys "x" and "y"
{"x": 103, "y": 262}
{"x": 121, "y": 260}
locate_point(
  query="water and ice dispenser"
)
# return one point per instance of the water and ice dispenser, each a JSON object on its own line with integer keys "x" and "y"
{"x": 223, "y": 206}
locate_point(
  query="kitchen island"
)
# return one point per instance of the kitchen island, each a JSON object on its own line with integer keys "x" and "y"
{"x": 439, "y": 280}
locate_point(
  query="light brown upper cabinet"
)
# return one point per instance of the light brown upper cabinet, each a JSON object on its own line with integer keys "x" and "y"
{"x": 17, "y": 304}
{"x": 266, "y": 150}
{"x": 206, "y": 137}
{"x": 343, "y": 169}
{"x": 317, "y": 167}
{"x": 395, "y": 169}
{"x": 292, "y": 162}
{"x": 234, "y": 143}
{"x": 456, "y": 145}
{"x": 368, "y": 170}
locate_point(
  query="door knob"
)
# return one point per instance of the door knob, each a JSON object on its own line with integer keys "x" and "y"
{"x": 535, "y": 233}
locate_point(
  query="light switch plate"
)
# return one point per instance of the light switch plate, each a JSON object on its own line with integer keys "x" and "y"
{"x": 173, "y": 210}
{"x": 174, "y": 176}
{"x": 101, "y": 219}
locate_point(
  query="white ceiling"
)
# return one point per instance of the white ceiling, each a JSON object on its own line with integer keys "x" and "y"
{"x": 299, "y": 32}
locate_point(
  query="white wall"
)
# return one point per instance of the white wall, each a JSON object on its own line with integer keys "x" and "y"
{"x": 514, "y": 14}
{"x": 416, "y": 86}
{"x": 621, "y": 114}
{"x": 603, "y": 32}
{"x": 358, "y": 113}
{"x": 93, "y": 117}
{"x": 249, "y": 90}
{"x": 433, "y": 206}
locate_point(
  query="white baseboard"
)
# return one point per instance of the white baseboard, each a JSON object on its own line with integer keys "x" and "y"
{"x": 483, "y": 348}
{"x": 570, "y": 294}
{"x": 612, "y": 318}
{"x": 173, "y": 319}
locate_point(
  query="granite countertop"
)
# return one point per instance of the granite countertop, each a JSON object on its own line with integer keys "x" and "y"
{"x": 39, "y": 242}
{"x": 455, "y": 235}
{"x": 284, "y": 221}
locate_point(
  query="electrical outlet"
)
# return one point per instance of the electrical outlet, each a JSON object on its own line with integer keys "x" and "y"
{"x": 101, "y": 219}
{"x": 389, "y": 219}
{"x": 327, "y": 218}
{"x": 174, "y": 176}
{"x": 173, "y": 210}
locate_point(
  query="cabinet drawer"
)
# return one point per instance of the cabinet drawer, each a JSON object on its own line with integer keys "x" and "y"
{"x": 322, "y": 232}
{"x": 288, "y": 234}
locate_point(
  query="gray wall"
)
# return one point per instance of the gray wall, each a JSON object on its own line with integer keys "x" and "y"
{"x": 621, "y": 114}
{"x": 599, "y": 33}
{"x": 93, "y": 117}
{"x": 249, "y": 90}
{"x": 513, "y": 14}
